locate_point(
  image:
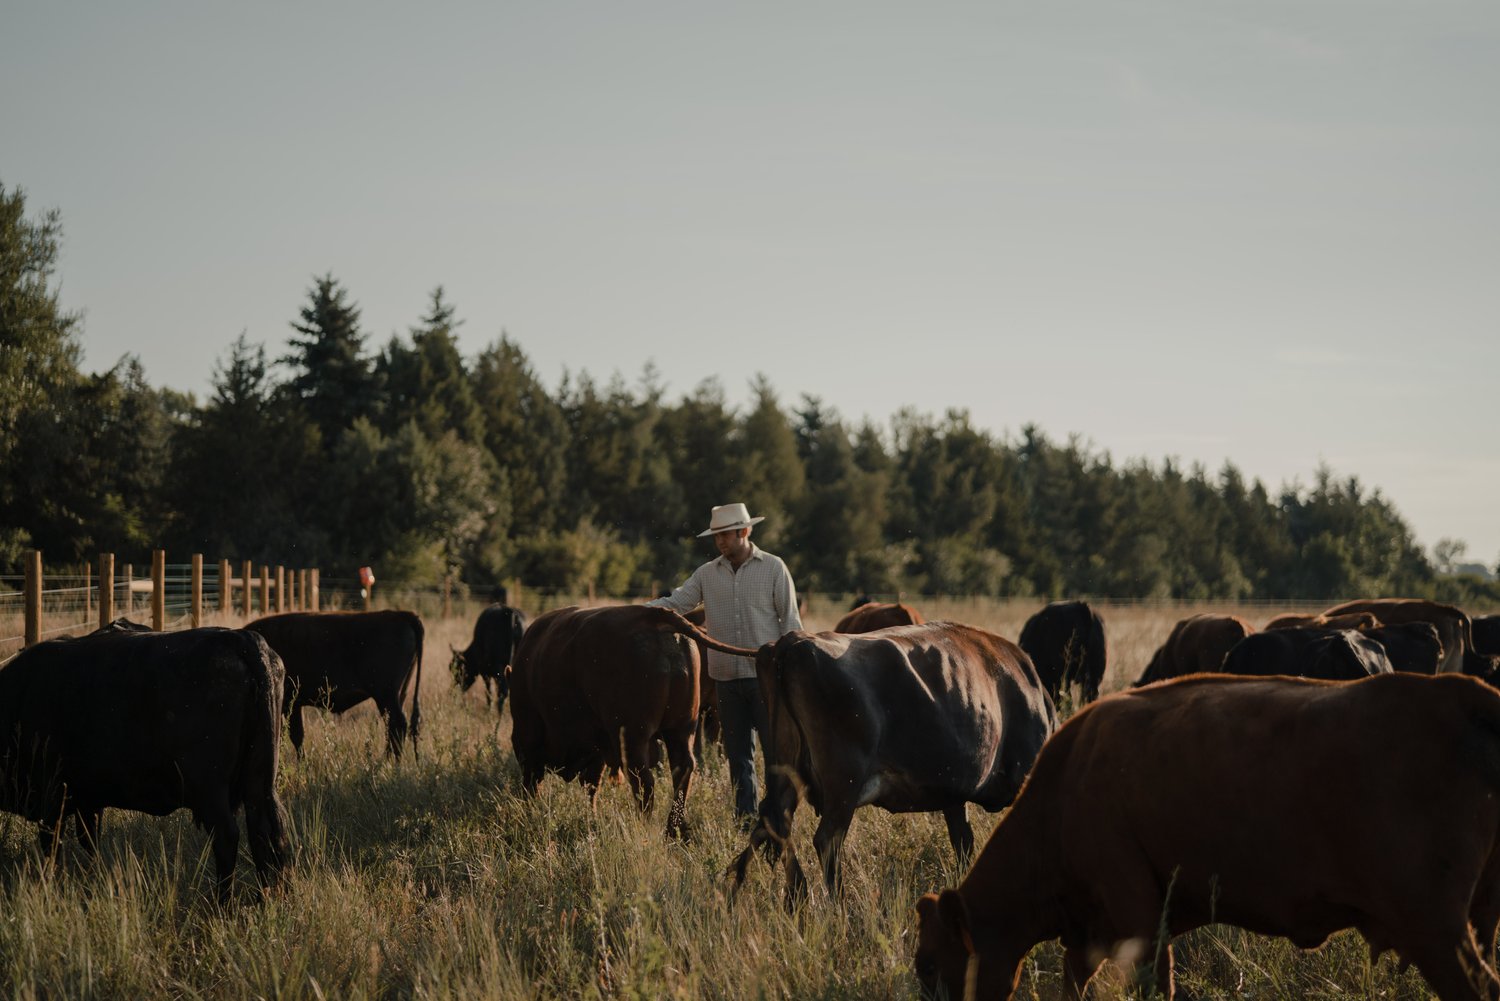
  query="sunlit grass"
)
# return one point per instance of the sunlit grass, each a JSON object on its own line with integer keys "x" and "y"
{"x": 434, "y": 878}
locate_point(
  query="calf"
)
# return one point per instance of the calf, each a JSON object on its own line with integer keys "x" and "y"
{"x": 336, "y": 660}
{"x": 1065, "y": 641}
{"x": 497, "y": 633}
{"x": 917, "y": 719}
{"x": 150, "y": 722}
{"x": 1284, "y": 806}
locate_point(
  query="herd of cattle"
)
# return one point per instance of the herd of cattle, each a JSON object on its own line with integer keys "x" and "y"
{"x": 1193, "y": 797}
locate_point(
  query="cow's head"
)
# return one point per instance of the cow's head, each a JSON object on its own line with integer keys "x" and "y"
{"x": 945, "y": 948}
{"x": 459, "y": 668}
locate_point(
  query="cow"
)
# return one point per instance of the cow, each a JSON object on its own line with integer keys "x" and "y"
{"x": 1353, "y": 620}
{"x": 151, "y": 722}
{"x": 336, "y": 660}
{"x": 593, "y": 689}
{"x": 1330, "y": 654}
{"x": 1284, "y": 806}
{"x": 878, "y": 615}
{"x": 916, "y": 719}
{"x": 1453, "y": 626}
{"x": 1413, "y": 647}
{"x": 1486, "y": 632}
{"x": 497, "y": 633}
{"x": 1065, "y": 641}
{"x": 1196, "y": 644}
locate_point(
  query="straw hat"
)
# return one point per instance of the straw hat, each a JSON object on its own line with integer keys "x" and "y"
{"x": 728, "y": 517}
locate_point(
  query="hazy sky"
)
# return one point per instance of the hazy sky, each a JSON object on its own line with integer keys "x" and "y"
{"x": 1267, "y": 233}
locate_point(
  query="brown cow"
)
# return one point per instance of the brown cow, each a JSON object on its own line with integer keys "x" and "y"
{"x": 875, "y": 615}
{"x": 1284, "y": 806}
{"x": 916, "y": 719}
{"x": 1196, "y": 644}
{"x": 595, "y": 688}
{"x": 1354, "y": 620}
{"x": 1454, "y": 628}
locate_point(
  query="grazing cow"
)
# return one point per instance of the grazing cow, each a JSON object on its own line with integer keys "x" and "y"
{"x": 149, "y": 722}
{"x": 497, "y": 633}
{"x": 1353, "y": 620}
{"x": 336, "y": 660}
{"x": 595, "y": 688}
{"x": 1413, "y": 647}
{"x": 1196, "y": 645}
{"x": 1065, "y": 641}
{"x": 1453, "y": 626}
{"x": 917, "y": 719}
{"x": 1330, "y": 654}
{"x": 1284, "y": 806}
{"x": 875, "y": 615}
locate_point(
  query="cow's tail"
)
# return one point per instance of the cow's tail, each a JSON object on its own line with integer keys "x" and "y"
{"x": 265, "y": 819}
{"x": 416, "y": 694}
{"x": 677, "y": 624}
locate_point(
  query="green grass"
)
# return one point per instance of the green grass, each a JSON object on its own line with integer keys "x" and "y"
{"x": 434, "y": 878}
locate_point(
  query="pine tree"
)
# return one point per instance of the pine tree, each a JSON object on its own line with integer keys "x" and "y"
{"x": 331, "y": 375}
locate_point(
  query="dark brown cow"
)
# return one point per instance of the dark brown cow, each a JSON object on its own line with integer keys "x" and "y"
{"x": 594, "y": 689}
{"x": 917, "y": 719}
{"x": 1065, "y": 640}
{"x": 336, "y": 660}
{"x": 1284, "y": 806}
{"x": 1486, "y": 632}
{"x": 1330, "y": 654}
{"x": 1354, "y": 620}
{"x": 1196, "y": 645}
{"x": 878, "y": 615}
{"x": 151, "y": 722}
{"x": 497, "y": 633}
{"x": 1453, "y": 626}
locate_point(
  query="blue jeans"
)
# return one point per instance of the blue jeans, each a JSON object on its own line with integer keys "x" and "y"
{"x": 741, "y": 710}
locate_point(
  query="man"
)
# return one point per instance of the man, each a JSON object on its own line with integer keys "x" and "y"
{"x": 748, "y": 599}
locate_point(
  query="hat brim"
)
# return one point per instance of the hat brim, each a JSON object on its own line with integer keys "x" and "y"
{"x": 732, "y": 528}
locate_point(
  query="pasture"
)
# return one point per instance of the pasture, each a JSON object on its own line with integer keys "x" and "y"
{"x": 433, "y": 878}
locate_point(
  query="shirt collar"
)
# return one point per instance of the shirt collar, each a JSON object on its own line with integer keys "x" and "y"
{"x": 755, "y": 554}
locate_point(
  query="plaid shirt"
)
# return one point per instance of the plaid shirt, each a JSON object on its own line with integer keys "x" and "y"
{"x": 747, "y": 607}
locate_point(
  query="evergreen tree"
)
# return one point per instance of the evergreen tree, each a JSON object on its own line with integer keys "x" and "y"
{"x": 526, "y": 434}
{"x": 428, "y": 382}
{"x": 331, "y": 376}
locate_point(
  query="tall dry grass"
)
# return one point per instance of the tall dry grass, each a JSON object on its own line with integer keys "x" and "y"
{"x": 433, "y": 878}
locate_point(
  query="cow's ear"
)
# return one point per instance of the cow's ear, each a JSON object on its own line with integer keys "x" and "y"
{"x": 507, "y": 673}
{"x": 954, "y": 914}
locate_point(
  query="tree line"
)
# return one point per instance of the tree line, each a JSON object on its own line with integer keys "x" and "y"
{"x": 426, "y": 464}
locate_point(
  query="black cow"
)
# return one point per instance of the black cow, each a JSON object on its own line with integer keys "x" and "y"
{"x": 1330, "y": 654}
{"x": 336, "y": 660}
{"x": 497, "y": 633}
{"x": 150, "y": 722}
{"x": 1413, "y": 647}
{"x": 1486, "y": 632}
{"x": 912, "y": 719}
{"x": 1065, "y": 641}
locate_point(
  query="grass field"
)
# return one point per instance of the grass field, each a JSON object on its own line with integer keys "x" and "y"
{"x": 433, "y": 878}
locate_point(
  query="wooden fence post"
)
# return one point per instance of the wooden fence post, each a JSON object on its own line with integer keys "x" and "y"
{"x": 195, "y": 603}
{"x": 106, "y": 589}
{"x": 291, "y": 590}
{"x": 127, "y": 579}
{"x": 33, "y": 597}
{"x": 265, "y": 589}
{"x": 246, "y": 587}
{"x": 280, "y": 588}
{"x": 302, "y": 601}
{"x": 88, "y": 589}
{"x": 313, "y": 573}
{"x": 158, "y": 589}
{"x": 226, "y": 598}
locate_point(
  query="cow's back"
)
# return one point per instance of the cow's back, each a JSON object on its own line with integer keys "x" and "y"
{"x": 347, "y": 656}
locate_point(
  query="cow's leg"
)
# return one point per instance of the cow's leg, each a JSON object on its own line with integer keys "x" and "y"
{"x": 772, "y": 836}
{"x": 1080, "y": 963}
{"x": 395, "y": 725}
{"x": 1452, "y": 964}
{"x": 680, "y": 757}
{"x": 960, "y": 833}
{"x": 1484, "y": 911}
{"x": 265, "y": 825}
{"x": 833, "y": 827}
{"x": 489, "y": 690}
{"x": 294, "y": 728}
{"x": 636, "y": 753}
{"x": 224, "y": 830}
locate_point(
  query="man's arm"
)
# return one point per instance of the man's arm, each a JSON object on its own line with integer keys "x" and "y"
{"x": 786, "y": 602}
{"x": 688, "y": 596}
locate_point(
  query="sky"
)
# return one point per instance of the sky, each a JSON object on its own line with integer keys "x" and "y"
{"x": 1263, "y": 233}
